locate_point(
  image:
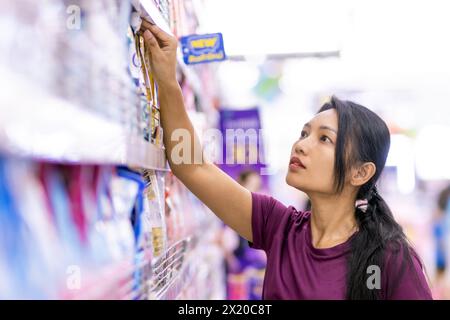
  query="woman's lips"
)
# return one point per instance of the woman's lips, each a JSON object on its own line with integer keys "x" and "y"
{"x": 296, "y": 163}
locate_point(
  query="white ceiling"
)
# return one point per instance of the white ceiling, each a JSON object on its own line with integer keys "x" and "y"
{"x": 386, "y": 33}
{"x": 386, "y": 47}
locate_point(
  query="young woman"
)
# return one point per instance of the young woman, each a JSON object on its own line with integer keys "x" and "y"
{"x": 337, "y": 250}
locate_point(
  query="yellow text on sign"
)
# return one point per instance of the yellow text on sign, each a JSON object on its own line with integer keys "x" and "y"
{"x": 206, "y": 57}
{"x": 204, "y": 43}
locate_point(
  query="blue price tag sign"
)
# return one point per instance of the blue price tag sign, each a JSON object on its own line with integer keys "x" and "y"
{"x": 203, "y": 48}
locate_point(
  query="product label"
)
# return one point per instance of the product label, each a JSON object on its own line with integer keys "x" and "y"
{"x": 158, "y": 240}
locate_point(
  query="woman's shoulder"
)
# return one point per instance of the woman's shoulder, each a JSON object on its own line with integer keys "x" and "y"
{"x": 269, "y": 202}
{"x": 271, "y": 218}
{"x": 275, "y": 207}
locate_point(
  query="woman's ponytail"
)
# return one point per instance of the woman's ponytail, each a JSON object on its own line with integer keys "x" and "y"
{"x": 378, "y": 231}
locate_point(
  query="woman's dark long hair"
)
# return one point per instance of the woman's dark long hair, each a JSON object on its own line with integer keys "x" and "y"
{"x": 364, "y": 137}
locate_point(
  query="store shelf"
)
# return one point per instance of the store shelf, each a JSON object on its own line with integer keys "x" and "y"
{"x": 37, "y": 125}
{"x": 149, "y": 11}
{"x": 180, "y": 282}
{"x": 82, "y": 108}
{"x": 174, "y": 269}
{"x": 167, "y": 268}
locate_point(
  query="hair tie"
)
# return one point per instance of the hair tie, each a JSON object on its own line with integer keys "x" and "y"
{"x": 361, "y": 204}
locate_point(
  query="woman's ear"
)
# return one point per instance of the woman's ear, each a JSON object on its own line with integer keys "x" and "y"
{"x": 362, "y": 174}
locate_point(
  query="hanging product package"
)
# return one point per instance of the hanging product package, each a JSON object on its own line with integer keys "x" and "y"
{"x": 151, "y": 115}
{"x": 154, "y": 200}
{"x": 134, "y": 70}
{"x": 156, "y": 129}
{"x": 144, "y": 92}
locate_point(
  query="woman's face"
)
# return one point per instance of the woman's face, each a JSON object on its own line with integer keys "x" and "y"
{"x": 311, "y": 166}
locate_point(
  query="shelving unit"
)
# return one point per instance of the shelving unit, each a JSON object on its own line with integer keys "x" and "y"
{"x": 46, "y": 130}
{"x": 89, "y": 139}
{"x": 45, "y": 127}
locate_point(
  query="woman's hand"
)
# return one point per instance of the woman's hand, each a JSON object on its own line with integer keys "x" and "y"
{"x": 163, "y": 53}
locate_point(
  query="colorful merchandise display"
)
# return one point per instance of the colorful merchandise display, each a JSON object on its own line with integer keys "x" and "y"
{"x": 88, "y": 207}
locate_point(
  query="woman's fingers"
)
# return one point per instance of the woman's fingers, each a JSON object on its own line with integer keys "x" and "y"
{"x": 162, "y": 48}
{"x": 161, "y": 36}
{"x": 159, "y": 33}
{"x": 151, "y": 42}
{"x": 145, "y": 24}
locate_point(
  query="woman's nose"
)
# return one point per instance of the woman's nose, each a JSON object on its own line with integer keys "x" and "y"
{"x": 299, "y": 148}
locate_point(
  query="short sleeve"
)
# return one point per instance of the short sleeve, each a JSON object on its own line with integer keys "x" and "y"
{"x": 268, "y": 217}
{"x": 405, "y": 281}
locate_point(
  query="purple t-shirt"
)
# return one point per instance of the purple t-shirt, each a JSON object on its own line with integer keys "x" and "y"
{"x": 297, "y": 270}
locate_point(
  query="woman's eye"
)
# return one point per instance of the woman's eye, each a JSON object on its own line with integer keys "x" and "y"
{"x": 325, "y": 139}
{"x": 303, "y": 134}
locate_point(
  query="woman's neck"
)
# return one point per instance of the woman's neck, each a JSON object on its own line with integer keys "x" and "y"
{"x": 332, "y": 220}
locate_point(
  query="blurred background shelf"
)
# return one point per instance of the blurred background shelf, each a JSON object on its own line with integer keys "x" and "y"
{"x": 42, "y": 126}
{"x": 74, "y": 107}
